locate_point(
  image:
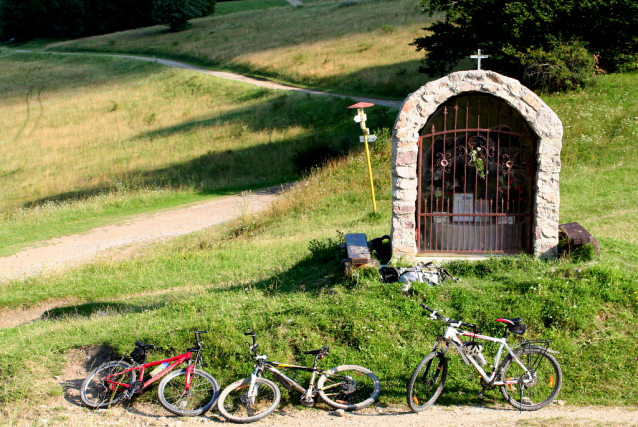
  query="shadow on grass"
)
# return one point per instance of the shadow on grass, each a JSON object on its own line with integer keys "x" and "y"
{"x": 328, "y": 127}
{"x": 100, "y": 309}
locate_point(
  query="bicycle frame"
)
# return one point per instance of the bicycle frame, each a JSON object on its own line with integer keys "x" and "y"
{"x": 173, "y": 362}
{"x": 451, "y": 335}
{"x": 286, "y": 381}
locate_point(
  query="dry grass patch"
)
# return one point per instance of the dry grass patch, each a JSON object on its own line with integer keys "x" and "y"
{"x": 95, "y": 125}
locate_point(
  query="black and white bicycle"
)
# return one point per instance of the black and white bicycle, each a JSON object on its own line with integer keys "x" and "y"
{"x": 529, "y": 376}
{"x": 347, "y": 387}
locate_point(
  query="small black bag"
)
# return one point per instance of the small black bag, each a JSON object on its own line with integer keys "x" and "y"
{"x": 139, "y": 355}
{"x": 517, "y": 329}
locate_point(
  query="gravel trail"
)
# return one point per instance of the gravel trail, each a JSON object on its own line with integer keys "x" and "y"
{"x": 118, "y": 240}
{"x": 232, "y": 76}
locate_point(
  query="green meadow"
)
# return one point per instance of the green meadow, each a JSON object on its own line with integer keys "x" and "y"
{"x": 88, "y": 140}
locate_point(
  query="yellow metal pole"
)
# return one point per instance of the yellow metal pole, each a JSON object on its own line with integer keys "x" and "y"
{"x": 365, "y": 141}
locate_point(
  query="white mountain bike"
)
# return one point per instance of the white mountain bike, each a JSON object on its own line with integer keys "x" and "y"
{"x": 529, "y": 376}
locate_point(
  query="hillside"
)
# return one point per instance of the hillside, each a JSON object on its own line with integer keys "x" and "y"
{"x": 260, "y": 274}
{"x": 353, "y": 47}
{"x": 91, "y": 139}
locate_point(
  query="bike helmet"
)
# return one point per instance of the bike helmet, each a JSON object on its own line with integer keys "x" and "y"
{"x": 472, "y": 348}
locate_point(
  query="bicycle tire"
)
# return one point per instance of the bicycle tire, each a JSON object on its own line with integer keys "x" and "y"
{"x": 202, "y": 395}
{"x": 349, "y": 387}
{"x": 95, "y": 394}
{"x": 233, "y": 406}
{"x": 426, "y": 384}
{"x": 547, "y": 377}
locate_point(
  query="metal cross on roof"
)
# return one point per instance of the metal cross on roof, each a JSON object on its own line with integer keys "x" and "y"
{"x": 479, "y": 57}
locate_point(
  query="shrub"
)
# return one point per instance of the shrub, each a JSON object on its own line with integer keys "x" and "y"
{"x": 177, "y": 13}
{"x": 210, "y": 7}
{"x": 565, "y": 66}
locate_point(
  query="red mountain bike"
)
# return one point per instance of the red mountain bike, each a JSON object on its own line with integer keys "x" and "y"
{"x": 185, "y": 392}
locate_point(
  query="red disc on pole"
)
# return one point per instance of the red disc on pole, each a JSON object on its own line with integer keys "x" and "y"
{"x": 361, "y": 105}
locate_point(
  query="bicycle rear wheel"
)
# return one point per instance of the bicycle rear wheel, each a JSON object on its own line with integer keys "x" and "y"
{"x": 427, "y": 381}
{"x": 535, "y": 391}
{"x": 175, "y": 398}
{"x": 235, "y": 405}
{"x": 96, "y": 393}
{"x": 348, "y": 387}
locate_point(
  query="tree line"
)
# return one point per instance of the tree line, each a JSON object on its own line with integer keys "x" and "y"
{"x": 548, "y": 44}
{"x": 64, "y": 19}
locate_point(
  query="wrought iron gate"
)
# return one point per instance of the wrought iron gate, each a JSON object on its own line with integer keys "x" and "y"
{"x": 476, "y": 168}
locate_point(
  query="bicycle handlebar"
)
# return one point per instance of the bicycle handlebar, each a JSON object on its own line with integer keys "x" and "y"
{"x": 253, "y": 335}
{"x": 436, "y": 315}
{"x": 199, "y": 344}
{"x": 253, "y": 347}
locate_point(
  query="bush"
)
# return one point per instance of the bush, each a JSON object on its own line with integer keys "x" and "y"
{"x": 566, "y": 66}
{"x": 510, "y": 31}
{"x": 210, "y": 7}
{"x": 177, "y": 13}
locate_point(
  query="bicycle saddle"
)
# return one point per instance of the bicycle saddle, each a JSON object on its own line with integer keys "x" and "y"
{"x": 144, "y": 346}
{"x": 319, "y": 351}
{"x": 511, "y": 322}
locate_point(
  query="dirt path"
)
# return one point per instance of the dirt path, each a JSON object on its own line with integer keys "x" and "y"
{"x": 233, "y": 76}
{"x": 65, "y": 413}
{"x": 72, "y": 250}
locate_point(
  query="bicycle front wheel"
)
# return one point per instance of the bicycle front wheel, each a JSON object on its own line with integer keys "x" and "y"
{"x": 198, "y": 399}
{"x": 348, "y": 387}
{"x": 235, "y": 405}
{"x": 536, "y": 389}
{"x": 427, "y": 381}
{"x": 96, "y": 393}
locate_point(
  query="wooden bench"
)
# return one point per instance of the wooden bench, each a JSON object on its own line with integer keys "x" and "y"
{"x": 358, "y": 252}
{"x": 577, "y": 236}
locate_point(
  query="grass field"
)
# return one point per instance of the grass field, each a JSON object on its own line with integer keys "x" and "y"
{"x": 278, "y": 273}
{"x": 229, "y": 7}
{"x": 349, "y": 47}
{"x": 85, "y": 139}
{"x": 297, "y": 300}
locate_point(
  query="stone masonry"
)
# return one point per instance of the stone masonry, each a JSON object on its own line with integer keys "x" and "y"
{"x": 417, "y": 109}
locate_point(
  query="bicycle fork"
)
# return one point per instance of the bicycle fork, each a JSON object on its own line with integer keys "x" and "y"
{"x": 252, "y": 388}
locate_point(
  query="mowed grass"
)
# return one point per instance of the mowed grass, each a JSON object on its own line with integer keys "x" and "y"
{"x": 350, "y": 47}
{"x": 87, "y": 139}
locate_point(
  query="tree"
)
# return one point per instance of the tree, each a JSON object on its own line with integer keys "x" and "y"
{"x": 210, "y": 8}
{"x": 509, "y": 30}
{"x": 177, "y": 13}
{"x": 27, "y": 19}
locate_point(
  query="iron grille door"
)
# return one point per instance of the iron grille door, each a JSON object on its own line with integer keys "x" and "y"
{"x": 477, "y": 179}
